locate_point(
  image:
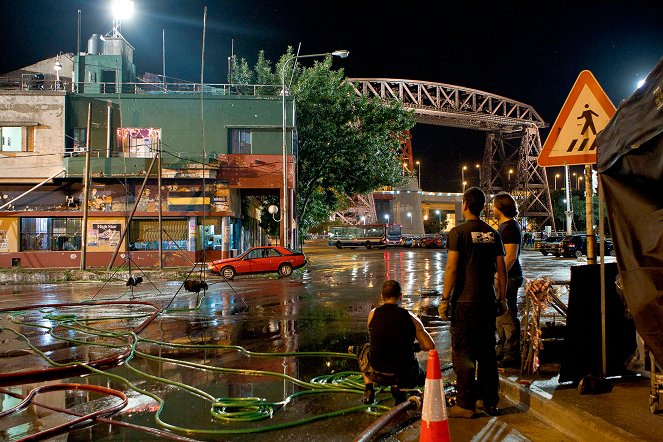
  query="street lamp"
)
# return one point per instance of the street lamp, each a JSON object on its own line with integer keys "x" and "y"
{"x": 439, "y": 220}
{"x": 285, "y": 215}
{"x": 57, "y": 68}
{"x": 418, "y": 163}
{"x": 363, "y": 219}
{"x": 462, "y": 176}
{"x": 409, "y": 215}
{"x": 464, "y": 184}
{"x": 478, "y": 167}
{"x": 556, "y": 176}
{"x": 386, "y": 216}
{"x": 578, "y": 182}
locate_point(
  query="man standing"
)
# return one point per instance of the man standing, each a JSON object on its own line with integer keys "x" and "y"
{"x": 508, "y": 325}
{"x": 475, "y": 254}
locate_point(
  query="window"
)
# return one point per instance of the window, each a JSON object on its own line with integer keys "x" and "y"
{"x": 240, "y": 141}
{"x": 138, "y": 142}
{"x": 78, "y": 139}
{"x": 144, "y": 234}
{"x": 50, "y": 234}
{"x": 16, "y": 139}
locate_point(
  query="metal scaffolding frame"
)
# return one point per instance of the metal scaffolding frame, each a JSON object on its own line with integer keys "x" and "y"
{"x": 512, "y": 134}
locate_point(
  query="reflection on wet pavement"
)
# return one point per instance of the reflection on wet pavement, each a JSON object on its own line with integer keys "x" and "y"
{"x": 321, "y": 309}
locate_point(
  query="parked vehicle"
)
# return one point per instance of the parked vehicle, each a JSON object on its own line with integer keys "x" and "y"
{"x": 259, "y": 260}
{"x": 434, "y": 242}
{"x": 576, "y": 245}
{"x": 368, "y": 235}
{"x": 550, "y": 246}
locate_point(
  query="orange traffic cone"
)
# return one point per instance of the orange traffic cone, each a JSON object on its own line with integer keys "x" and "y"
{"x": 434, "y": 423}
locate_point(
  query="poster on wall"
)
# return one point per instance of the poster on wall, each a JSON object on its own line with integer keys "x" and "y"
{"x": 106, "y": 234}
{"x": 4, "y": 243}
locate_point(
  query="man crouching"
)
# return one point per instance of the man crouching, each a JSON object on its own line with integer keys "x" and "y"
{"x": 389, "y": 357}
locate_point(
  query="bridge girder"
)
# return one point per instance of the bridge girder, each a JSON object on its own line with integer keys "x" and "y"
{"x": 512, "y": 133}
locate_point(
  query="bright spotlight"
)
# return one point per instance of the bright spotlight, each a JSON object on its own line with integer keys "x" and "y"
{"x": 640, "y": 84}
{"x": 122, "y": 9}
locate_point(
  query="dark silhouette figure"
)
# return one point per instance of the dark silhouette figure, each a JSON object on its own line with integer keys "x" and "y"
{"x": 589, "y": 120}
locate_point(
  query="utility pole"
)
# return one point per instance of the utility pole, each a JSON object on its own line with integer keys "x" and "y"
{"x": 86, "y": 188}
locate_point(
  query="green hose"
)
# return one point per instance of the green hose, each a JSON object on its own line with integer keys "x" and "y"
{"x": 230, "y": 410}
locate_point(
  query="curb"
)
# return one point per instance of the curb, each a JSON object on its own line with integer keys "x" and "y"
{"x": 573, "y": 421}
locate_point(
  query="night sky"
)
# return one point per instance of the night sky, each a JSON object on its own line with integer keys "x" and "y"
{"x": 530, "y": 51}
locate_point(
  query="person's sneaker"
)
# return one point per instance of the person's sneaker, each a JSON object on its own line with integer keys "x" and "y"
{"x": 369, "y": 396}
{"x": 459, "y": 412}
{"x": 399, "y": 396}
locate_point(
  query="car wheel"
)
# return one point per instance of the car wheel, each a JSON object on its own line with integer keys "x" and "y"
{"x": 228, "y": 272}
{"x": 368, "y": 244}
{"x": 338, "y": 245}
{"x": 544, "y": 253}
{"x": 578, "y": 253}
{"x": 285, "y": 269}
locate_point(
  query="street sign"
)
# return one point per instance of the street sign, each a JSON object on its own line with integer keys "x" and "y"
{"x": 572, "y": 139}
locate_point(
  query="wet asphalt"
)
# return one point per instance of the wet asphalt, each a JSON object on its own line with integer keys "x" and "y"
{"x": 322, "y": 307}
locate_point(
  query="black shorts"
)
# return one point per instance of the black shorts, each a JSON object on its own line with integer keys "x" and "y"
{"x": 414, "y": 377}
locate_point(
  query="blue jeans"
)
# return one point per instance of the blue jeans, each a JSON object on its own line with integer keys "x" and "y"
{"x": 508, "y": 325}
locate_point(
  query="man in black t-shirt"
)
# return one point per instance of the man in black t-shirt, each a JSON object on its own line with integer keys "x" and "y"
{"x": 389, "y": 358}
{"x": 475, "y": 254}
{"x": 508, "y": 325}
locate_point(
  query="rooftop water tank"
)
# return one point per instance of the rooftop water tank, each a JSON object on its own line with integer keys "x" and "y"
{"x": 95, "y": 44}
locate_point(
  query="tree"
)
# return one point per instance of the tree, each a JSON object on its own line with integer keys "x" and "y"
{"x": 347, "y": 144}
{"x": 435, "y": 224}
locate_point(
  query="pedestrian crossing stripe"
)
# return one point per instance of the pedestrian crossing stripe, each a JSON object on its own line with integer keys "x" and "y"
{"x": 572, "y": 138}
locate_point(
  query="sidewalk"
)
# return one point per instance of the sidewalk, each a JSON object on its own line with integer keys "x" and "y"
{"x": 560, "y": 413}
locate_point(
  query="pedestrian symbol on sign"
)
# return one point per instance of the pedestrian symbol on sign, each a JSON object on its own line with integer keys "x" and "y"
{"x": 589, "y": 121}
{"x": 588, "y": 115}
{"x": 572, "y": 139}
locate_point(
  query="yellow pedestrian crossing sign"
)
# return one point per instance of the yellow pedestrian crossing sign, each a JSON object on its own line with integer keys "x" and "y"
{"x": 572, "y": 139}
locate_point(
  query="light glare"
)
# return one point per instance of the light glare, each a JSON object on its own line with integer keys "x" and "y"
{"x": 122, "y": 9}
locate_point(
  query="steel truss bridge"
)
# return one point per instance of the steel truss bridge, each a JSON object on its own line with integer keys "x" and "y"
{"x": 512, "y": 134}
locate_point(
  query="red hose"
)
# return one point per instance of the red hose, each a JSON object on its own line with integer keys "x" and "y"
{"x": 49, "y": 373}
{"x": 80, "y": 422}
{"x": 100, "y": 419}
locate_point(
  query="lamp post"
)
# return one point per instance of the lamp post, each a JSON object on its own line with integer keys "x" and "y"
{"x": 57, "y": 68}
{"x": 556, "y": 176}
{"x": 578, "y": 180}
{"x": 439, "y": 220}
{"x": 386, "y": 216}
{"x": 418, "y": 163}
{"x": 363, "y": 220}
{"x": 510, "y": 172}
{"x": 285, "y": 215}
{"x": 478, "y": 167}
{"x": 409, "y": 215}
{"x": 462, "y": 176}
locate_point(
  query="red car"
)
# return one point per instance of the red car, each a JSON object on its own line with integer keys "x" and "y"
{"x": 260, "y": 260}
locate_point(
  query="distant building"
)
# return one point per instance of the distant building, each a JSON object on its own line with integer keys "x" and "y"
{"x": 211, "y": 180}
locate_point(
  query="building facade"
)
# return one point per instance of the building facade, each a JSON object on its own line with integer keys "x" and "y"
{"x": 216, "y": 151}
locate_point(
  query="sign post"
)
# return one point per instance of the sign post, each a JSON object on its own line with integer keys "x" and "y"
{"x": 572, "y": 141}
